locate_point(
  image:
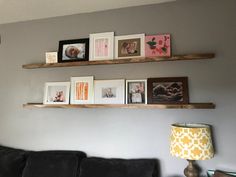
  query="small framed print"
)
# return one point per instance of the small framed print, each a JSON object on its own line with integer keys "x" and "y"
{"x": 129, "y": 46}
{"x": 73, "y": 50}
{"x": 109, "y": 91}
{"x": 82, "y": 90}
{"x": 136, "y": 91}
{"x": 158, "y": 45}
{"x": 168, "y": 90}
{"x": 51, "y": 57}
{"x": 56, "y": 93}
{"x": 101, "y": 46}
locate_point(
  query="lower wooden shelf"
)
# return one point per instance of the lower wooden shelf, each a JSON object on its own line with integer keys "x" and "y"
{"x": 130, "y": 106}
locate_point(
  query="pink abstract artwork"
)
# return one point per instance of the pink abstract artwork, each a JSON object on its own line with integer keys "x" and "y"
{"x": 158, "y": 46}
{"x": 101, "y": 47}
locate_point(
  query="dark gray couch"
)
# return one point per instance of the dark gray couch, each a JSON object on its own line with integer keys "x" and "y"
{"x": 21, "y": 163}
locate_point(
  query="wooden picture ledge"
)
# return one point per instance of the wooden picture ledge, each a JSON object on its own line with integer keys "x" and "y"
{"x": 199, "y": 56}
{"x": 129, "y": 106}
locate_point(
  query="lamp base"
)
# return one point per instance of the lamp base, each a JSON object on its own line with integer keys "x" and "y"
{"x": 191, "y": 170}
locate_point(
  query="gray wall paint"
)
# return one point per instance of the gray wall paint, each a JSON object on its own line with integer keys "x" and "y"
{"x": 196, "y": 26}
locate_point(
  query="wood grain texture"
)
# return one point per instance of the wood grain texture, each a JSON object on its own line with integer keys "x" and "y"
{"x": 122, "y": 61}
{"x": 129, "y": 106}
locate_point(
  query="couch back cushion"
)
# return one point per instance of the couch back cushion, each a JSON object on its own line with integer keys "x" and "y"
{"x": 12, "y": 162}
{"x": 53, "y": 164}
{"x": 99, "y": 167}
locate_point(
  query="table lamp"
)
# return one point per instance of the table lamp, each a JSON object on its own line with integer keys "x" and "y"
{"x": 191, "y": 142}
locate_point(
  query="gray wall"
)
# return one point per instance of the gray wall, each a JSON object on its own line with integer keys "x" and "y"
{"x": 195, "y": 25}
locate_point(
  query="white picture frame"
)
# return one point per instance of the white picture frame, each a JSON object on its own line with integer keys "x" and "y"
{"x": 82, "y": 90}
{"x": 56, "y": 93}
{"x": 130, "y": 46}
{"x": 101, "y": 46}
{"x": 109, "y": 91}
{"x": 136, "y": 91}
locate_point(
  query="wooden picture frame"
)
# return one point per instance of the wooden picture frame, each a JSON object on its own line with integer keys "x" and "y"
{"x": 109, "y": 91}
{"x": 73, "y": 50}
{"x": 56, "y": 93}
{"x": 168, "y": 90}
{"x": 129, "y": 46}
{"x": 136, "y": 91}
{"x": 82, "y": 90}
{"x": 101, "y": 46}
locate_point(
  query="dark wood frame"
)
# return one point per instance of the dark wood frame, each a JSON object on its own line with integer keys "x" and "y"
{"x": 184, "y": 80}
{"x": 73, "y": 41}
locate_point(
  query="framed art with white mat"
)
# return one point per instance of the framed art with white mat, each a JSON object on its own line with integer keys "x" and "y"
{"x": 109, "y": 91}
{"x": 101, "y": 46}
{"x": 82, "y": 90}
{"x": 56, "y": 93}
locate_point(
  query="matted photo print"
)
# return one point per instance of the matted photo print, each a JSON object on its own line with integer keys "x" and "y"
{"x": 109, "y": 91}
{"x": 56, "y": 93}
{"x": 129, "y": 46}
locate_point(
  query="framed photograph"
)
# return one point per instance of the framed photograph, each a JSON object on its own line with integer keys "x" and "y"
{"x": 129, "y": 46}
{"x": 168, "y": 90}
{"x": 56, "y": 93}
{"x": 82, "y": 90}
{"x": 158, "y": 45}
{"x": 109, "y": 91}
{"x": 102, "y": 46}
{"x": 136, "y": 91}
{"x": 218, "y": 173}
{"x": 73, "y": 50}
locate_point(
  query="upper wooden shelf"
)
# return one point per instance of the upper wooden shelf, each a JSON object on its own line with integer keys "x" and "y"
{"x": 130, "y": 106}
{"x": 122, "y": 61}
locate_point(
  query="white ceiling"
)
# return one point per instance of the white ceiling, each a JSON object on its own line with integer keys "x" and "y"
{"x": 23, "y": 10}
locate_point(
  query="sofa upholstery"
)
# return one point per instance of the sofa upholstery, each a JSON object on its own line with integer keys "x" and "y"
{"x": 12, "y": 162}
{"x": 53, "y": 163}
{"x": 100, "y": 167}
{"x": 21, "y": 163}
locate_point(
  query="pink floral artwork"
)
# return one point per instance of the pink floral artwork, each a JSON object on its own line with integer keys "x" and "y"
{"x": 158, "y": 46}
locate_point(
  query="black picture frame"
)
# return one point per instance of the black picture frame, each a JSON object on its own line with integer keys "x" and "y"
{"x": 73, "y": 50}
{"x": 136, "y": 91}
{"x": 168, "y": 90}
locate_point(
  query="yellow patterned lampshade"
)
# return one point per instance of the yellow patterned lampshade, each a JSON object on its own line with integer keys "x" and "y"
{"x": 191, "y": 141}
